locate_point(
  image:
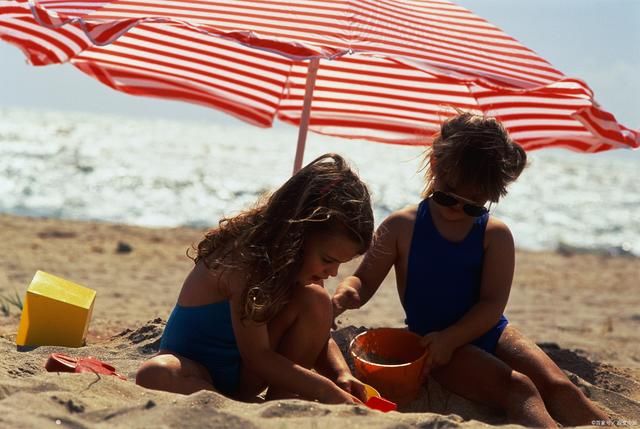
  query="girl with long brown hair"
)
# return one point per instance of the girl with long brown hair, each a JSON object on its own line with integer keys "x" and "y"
{"x": 253, "y": 312}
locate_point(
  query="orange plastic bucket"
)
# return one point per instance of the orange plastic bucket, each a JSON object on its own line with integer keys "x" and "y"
{"x": 391, "y": 360}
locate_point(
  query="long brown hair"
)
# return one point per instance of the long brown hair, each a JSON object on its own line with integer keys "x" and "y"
{"x": 266, "y": 242}
{"x": 474, "y": 150}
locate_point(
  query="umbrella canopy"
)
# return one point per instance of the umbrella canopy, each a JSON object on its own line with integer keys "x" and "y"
{"x": 387, "y": 70}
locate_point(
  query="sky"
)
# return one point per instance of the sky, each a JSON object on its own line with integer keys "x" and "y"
{"x": 595, "y": 40}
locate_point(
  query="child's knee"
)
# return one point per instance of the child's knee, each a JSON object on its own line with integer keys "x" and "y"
{"x": 153, "y": 373}
{"x": 315, "y": 303}
{"x": 521, "y": 386}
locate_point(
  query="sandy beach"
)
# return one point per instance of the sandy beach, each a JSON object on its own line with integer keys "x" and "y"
{"x": 584, "y": 309}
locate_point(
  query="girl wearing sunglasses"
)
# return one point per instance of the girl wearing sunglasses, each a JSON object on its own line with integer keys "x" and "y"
{"x": 454, "y": 265}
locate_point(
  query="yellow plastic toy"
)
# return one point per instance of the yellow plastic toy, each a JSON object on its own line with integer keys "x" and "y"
{"x": 56, "y": 312}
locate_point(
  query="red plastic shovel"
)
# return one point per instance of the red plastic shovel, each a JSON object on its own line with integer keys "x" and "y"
{"x": 377, "y": 402}
{"x": 58, "y": 362}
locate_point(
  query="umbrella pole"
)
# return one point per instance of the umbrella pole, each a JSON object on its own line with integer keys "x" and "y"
{"x": 312, "y": 72}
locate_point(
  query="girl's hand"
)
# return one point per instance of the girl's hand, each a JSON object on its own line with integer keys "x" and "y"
{"x": 439, "y": 349}
{"x": 336, "y": 395}
{"x": 347, "y": 382}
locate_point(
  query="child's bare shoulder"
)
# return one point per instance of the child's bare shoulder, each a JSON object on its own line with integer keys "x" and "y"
{"x": 204, "y": 284}
{"x": 498, "y": 233}
{"x": 398, "y": 225}
{"x": 402, "y": 218}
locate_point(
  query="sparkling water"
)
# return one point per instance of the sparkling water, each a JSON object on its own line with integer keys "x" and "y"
{"x": 173, "y": 173}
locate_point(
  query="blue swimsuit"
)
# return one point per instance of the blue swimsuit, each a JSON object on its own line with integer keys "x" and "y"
{"x": 443, "y": 279}
{"x": 205, "y": 335}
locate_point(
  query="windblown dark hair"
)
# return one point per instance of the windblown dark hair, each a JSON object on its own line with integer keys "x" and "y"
{"x": 266, "y": 242}
{"x": 474, "y": 150}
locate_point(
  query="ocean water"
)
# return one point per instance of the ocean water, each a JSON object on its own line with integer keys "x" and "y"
{"x": 164, "y": 173}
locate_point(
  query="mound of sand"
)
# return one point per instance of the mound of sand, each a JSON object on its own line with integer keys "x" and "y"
{"x": 33, "y": 397}
{"x": 582, "y": 309}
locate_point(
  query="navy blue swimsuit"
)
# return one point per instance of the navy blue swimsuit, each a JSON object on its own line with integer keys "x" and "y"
{"x": 443, "y": 278}
{"x": 204, "y": 334}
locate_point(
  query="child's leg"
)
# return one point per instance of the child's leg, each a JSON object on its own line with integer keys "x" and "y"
{"x": 480, "y": 377}
{"x": 173, "y": 373}
{"x": 563, "y": 399}
{"x": 299, "y": 332}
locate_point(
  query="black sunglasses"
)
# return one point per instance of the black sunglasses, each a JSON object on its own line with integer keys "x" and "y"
{"x": 447, "y": 199}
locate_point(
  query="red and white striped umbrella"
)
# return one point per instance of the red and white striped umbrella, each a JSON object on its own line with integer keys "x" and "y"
{"x": 387, "y": 70}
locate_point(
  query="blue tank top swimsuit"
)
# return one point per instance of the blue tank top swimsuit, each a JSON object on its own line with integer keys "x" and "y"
{"x": 443, "y": 279}
{"x": 205, "y": 335}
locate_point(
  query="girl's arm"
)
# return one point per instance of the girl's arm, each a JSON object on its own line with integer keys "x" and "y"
{"x": 276, "y": 370}
{"x": 356, "y": 290}
{"x": 497, "y": 275}
{"x": 331, "y": 364}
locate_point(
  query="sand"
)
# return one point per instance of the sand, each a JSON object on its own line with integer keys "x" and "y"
{"x": 583, "y": 309}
